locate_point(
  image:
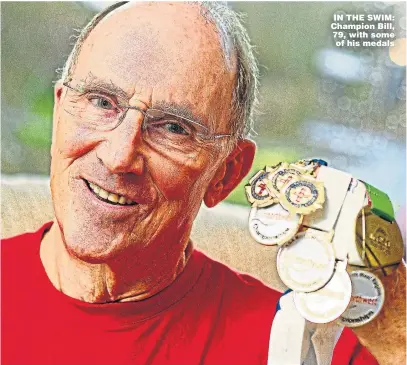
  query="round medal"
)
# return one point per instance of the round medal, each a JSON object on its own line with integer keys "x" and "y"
{"x": 282, "y": 176}
{"x": 308, "y": 263}
{"x": 303, "y": 196}
{"x": 273, "y": 225}
{"x": 379, "y": 242}
{"x": 366, "y": 301}
{"x": 328, "y": 303}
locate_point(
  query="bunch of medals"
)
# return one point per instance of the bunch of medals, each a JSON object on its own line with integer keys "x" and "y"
{"x": 333, "y": 233}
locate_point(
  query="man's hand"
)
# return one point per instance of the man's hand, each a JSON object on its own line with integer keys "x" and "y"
{"x": 385, "y": 336}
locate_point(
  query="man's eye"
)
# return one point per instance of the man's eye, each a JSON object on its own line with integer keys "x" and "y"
{"x": 175, "y": 128}
{"x": 101, "y": 102}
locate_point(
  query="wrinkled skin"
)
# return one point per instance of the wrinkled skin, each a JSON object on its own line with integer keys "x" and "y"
{"x": 155, "y": 53}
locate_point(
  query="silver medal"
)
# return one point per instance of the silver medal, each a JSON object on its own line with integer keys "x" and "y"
{"x": 366, "y": 301}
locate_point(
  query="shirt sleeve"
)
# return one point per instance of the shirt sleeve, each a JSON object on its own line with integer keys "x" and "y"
{"x": 349, "y": 351}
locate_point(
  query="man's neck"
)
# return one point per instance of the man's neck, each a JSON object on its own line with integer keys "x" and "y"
{"x": 123, "y": 279}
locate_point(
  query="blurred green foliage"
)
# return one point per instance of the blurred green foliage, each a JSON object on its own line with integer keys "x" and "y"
{"x": 36, "y": 132}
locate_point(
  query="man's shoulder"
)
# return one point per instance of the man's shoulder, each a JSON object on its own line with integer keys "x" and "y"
{"x": 240, "y": 278}
{"x": 12, "y": 245}
{"x": 241, "y": 290}
{"x": 23, "y": 246}
{"x": 21, "y": 269}
{"x": 243, "y": 309}
{"x": 27, "y": 236}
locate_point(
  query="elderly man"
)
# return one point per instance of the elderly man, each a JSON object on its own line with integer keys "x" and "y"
{"x": 150, "y": 119}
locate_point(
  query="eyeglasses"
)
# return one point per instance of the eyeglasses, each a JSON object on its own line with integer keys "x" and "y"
{"x": 103, "y": 111}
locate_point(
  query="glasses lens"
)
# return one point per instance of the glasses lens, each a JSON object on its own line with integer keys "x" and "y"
{"x": 166, "y": 131}
{"x": 94, "y": 110}
{"x": 172, "y": 135}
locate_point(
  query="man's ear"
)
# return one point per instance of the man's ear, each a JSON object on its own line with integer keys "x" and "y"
{"x": 231, "y": 172}
{"x": 58, "y": 88}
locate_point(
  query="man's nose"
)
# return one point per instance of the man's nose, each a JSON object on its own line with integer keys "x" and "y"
{"x": 122, "y": 151}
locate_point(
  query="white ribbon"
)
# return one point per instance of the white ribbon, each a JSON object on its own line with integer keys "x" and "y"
{"x": 336, "y": 185}
{"x": 287, "y": 333}
{"x": 344, "y": 240}
{"x": 295, "y": 341}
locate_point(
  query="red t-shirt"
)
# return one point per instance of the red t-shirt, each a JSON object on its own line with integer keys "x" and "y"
{"x": 209, "y": 315}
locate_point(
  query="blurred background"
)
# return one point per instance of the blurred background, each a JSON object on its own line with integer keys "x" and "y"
{"x": 347, "y": 106}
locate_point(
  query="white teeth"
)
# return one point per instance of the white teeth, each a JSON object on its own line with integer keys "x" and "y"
{"x": 103, "y": 194}
{"x": 115, "y": 198}
{"x": 96, "y": 189}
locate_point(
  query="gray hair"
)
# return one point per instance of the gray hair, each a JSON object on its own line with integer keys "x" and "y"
{"x": 234, "y": 42}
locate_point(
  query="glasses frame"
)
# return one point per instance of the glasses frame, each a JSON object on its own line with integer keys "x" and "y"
{"x": 146, "y": 115}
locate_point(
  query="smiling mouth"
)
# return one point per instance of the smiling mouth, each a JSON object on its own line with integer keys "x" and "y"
{"x": 108, "y": 197}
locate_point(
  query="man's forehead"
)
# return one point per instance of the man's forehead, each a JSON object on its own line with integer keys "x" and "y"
{"x": 160, "y": 38}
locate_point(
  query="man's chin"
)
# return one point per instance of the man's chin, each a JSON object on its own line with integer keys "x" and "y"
{"x": 91, "y": 255}
{"x": 93, "y": 249}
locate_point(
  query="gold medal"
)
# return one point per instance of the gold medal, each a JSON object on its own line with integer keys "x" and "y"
{"x": 271, "y": 169}
{"x": 303, "y": 195}
{"x": 257, "y": 192}
{"x": 281, "y": 176}
{"x": 379, "y": 242}
{"x": 302, "y": 162}
{"x": 307, "y": 167}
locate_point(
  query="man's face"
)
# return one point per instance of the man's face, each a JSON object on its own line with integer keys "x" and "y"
{"x": 156, "y": 53}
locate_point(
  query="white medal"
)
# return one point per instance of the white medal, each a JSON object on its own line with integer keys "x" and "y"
{"x": 366, "y": 301}
{"x": 308, "y": 263}
{"x": 328, "y": 303}
{"x": 273, "y": 225}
